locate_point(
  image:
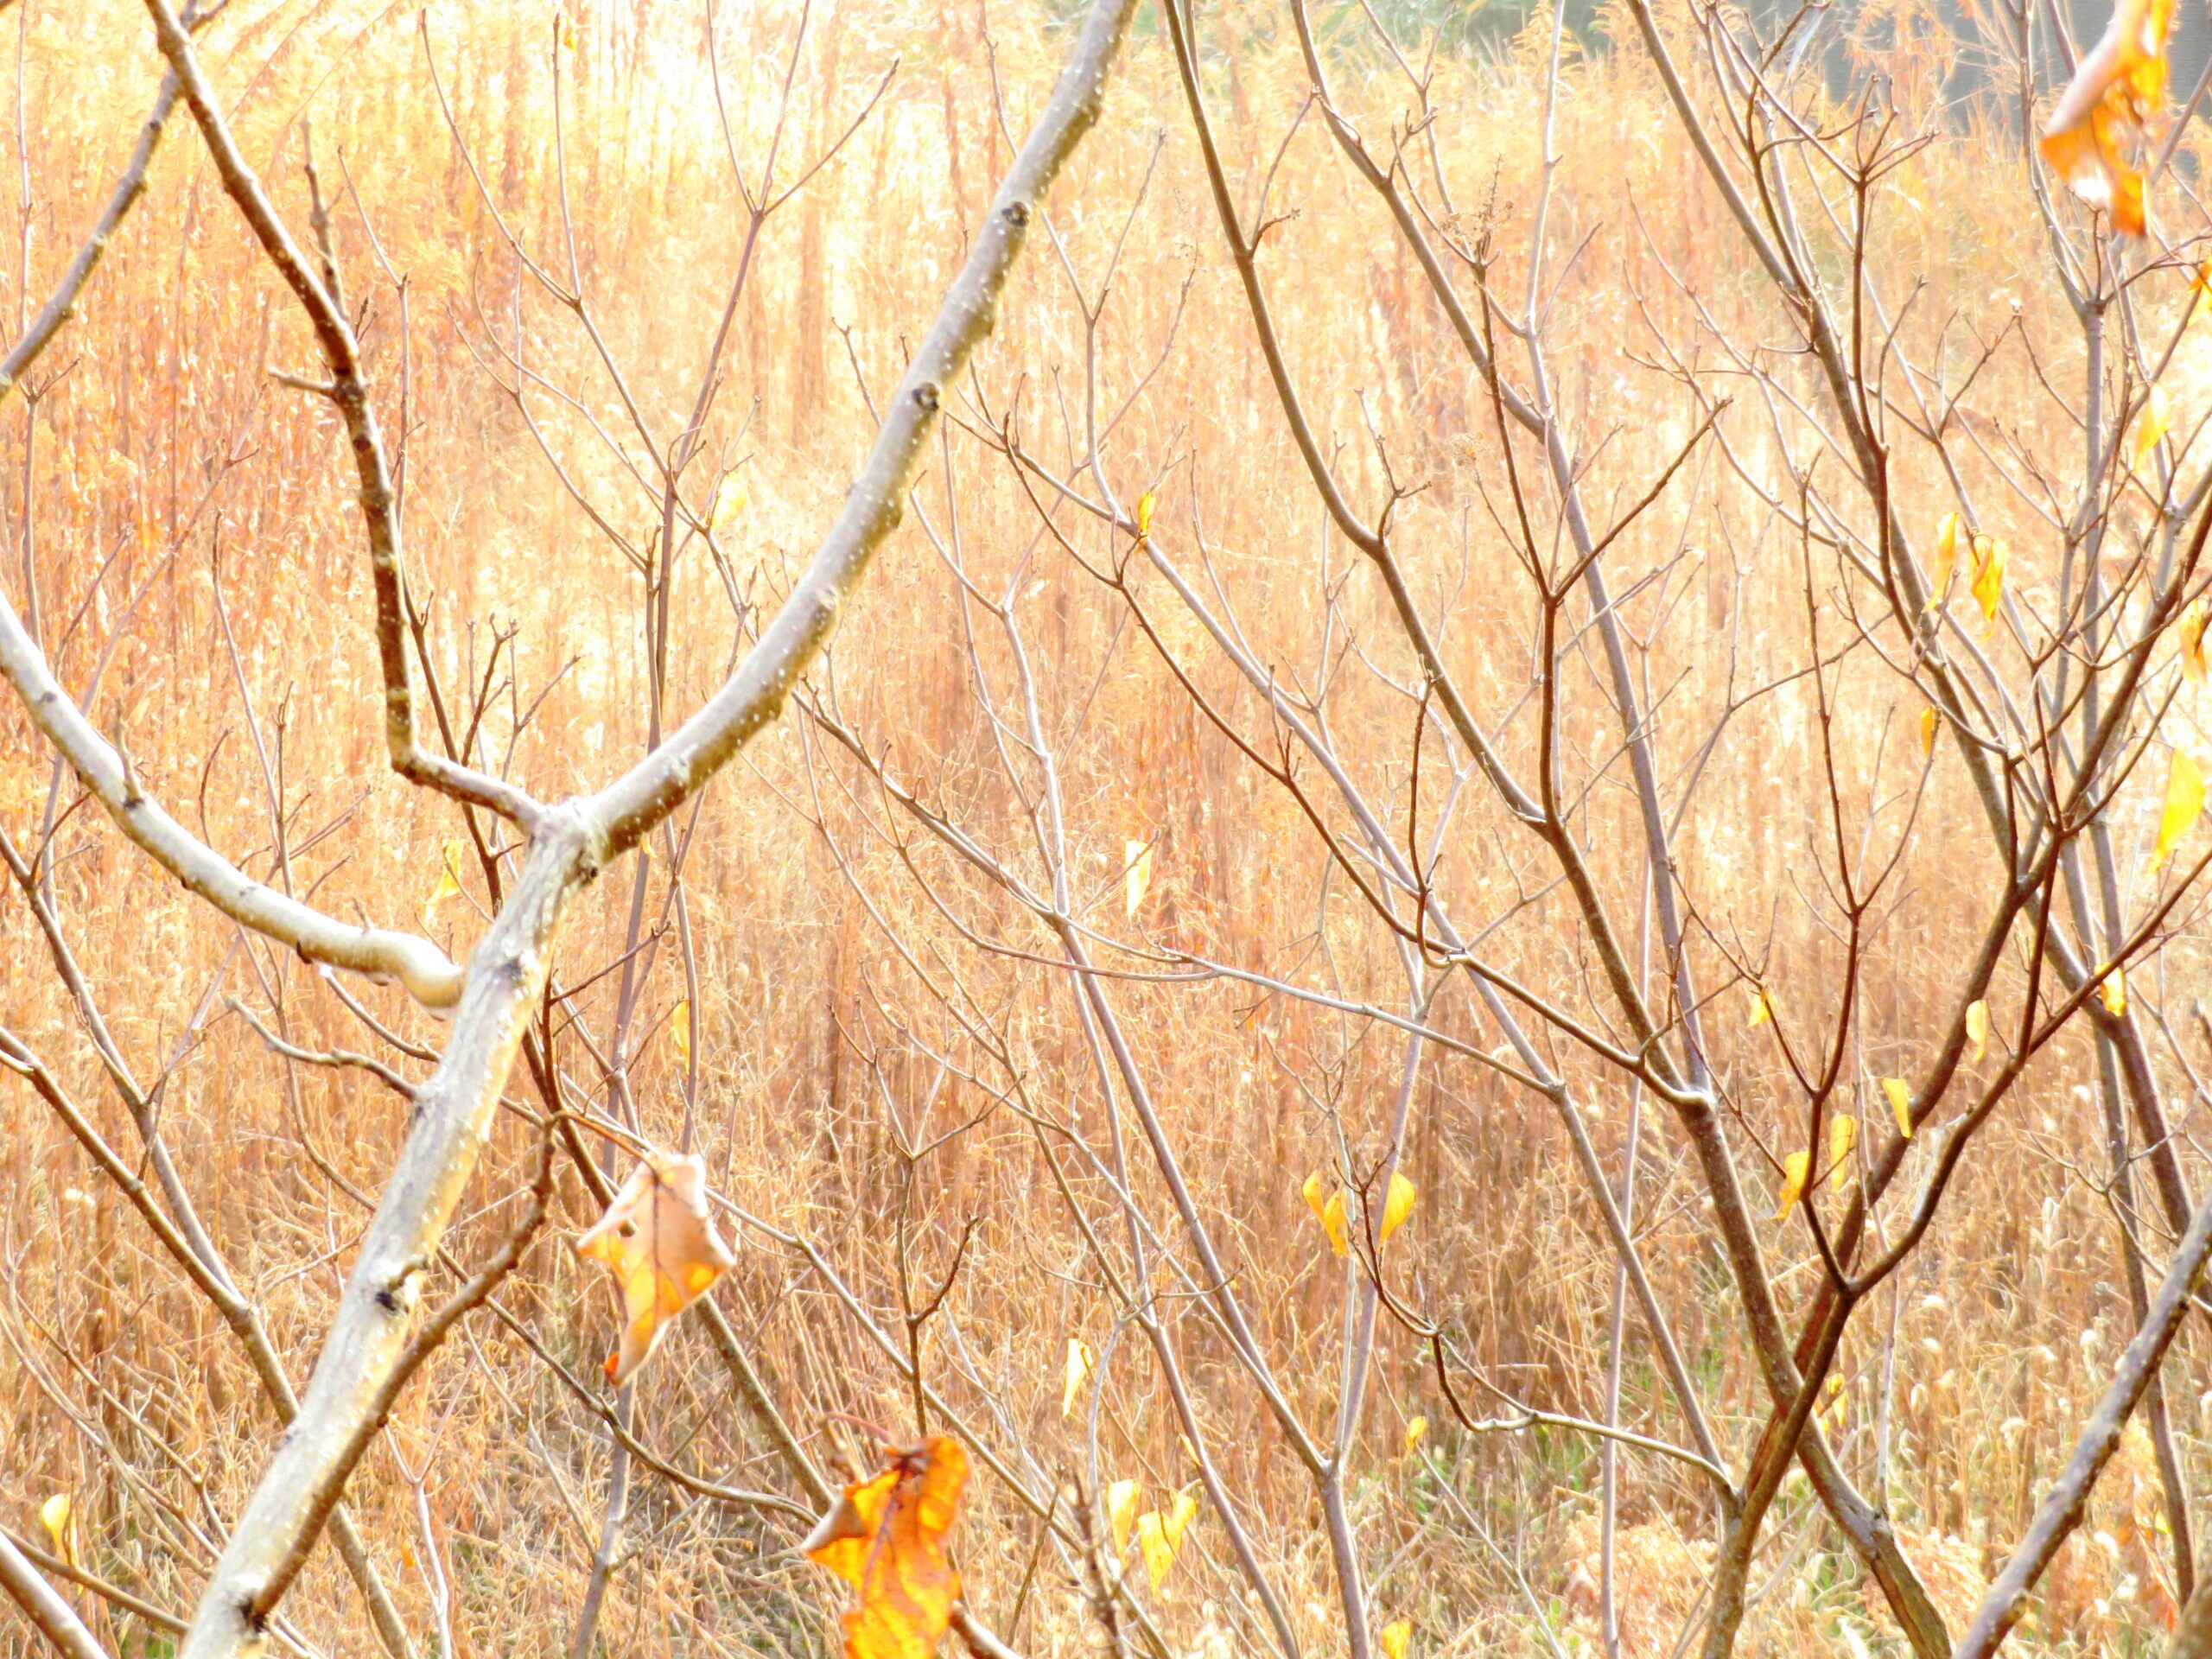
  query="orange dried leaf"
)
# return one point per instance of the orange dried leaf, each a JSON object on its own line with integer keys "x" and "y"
{"x": 886, "y": 1538}
{"x": 658, "y": 1242}
{"x": 2098, "y": 121}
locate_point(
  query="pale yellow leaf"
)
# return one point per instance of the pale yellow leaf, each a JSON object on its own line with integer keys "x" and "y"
{"x": 1795, "y": 1168}
{"x": 1978, "y": 1028}
{"x": 58, "y": 1517}
{"x": 2114, "y": 991}
{"x": 1136, "y": 875}
{"x": 2189, "y": 631}
{"x": 1415, "y": 1430}
{"x": 1761, "y": 1010}
{"x": 1843, "y": 1135}
{"x": 2156, "y": 420}
{"x": 2185, "y": 804}
{"x": 1947, "y": 558}
{"x": 1396, "y": 1635}
{"x": 448, "y": 883}
{"x": 1900, "y": 1094}
{"x": 1332, "y": 1222}
{"x": 1145, "y": 505}
{"x": 729, "y": 501}
{"x": 1151, "y": 1542}
{"x": 1990, "y": 559}
{"x": 1078, "y": 1369}
{"x": 1121, "y": 1513}
{"x": 679, "y": 1029}
{"x": 1398, "y": 1207}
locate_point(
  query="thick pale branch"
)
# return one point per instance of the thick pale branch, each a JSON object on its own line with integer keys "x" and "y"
{"x": 425, "y": 970}
{"x": 362, "y": 1360}
{"x": 50, "y": 1616}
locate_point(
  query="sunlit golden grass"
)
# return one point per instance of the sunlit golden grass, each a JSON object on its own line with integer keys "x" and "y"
{"x": 177, "y": 496}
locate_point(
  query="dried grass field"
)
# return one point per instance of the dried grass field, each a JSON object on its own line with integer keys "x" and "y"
{"x": 1096, "y": 888}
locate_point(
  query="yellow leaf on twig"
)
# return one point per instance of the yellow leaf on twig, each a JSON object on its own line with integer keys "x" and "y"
{"x": 2185, "y": 804}
{"x": 1990, "y": 559}
{"x": 729, "y": 501}
{"x": 2189, "y": 630}
{"x": 1795, "y": 1168}
{"x": 1121, "y": 1513}
{"x": 1761, "y": 1010}
{"x": 1928, "y": 721}
{"x": 679, "y": 1029}
{"x": 1900, "y": 1094}
{"x": 1398, "y": 1207}
{"x": 2158, "y": 420}
{"x": 1079, "y": 1371}
{"x": 1395, "y": 1635}
{"x": 1329, "y": 1211}
{"x": 1415, "y": 1430}
{"x": 1160, "y": 1536}
{"x": 58, "y": 1517}
{"x": 1136, "y": 875}
{"x": 1978, "y": 1028}
{"x": 1947, "y": 558}
{"x": 658, "y": 1242}
{"x": 2112, "y": 993}
{"x": 448, "y": 883}
{"x": 1843, "y": 1135}
{"x": 1145, "y": 505}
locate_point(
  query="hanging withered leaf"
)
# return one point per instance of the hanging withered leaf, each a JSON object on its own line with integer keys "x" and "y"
{"x": 1136, "y": 877}
{"x": 2158, "y": 420}
{"x": 1398, "y": 1207}
{"x": 1978, "y": 1028}
{"x": 1145, "y": 505}
{"x": 1843, "y": 1135}
{"x": 1947, "y": 558}
{"x": 1329, "y": 1211}
{"x": 2184, "y": 804}
{"x": 2113, "y": 992}
{"x": 449, "y": 883}
{"x": 886, "y": 1538}
{"x": 1761, "y": 1010}
{"x": 1990, "y": 559}
{"x": 679, "y": 1029}
{"x": 1078, "y": 1369}
{"x": 1160, "y": 1536}
{"x": 2098, "y": 121}
{"x": 58, "y": 1517}
{"x": 1415, "y": 1430}
{"x": 1795, "y": 1168}
{"x": 1121, "y": 1513}
{"x": 729, "y": 501}
{"x": 2188, "y": 632}
{"x": 1928, "y": 721}
{"x": 1900, "y": 1094}
{"x": 658, "y": 1242}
